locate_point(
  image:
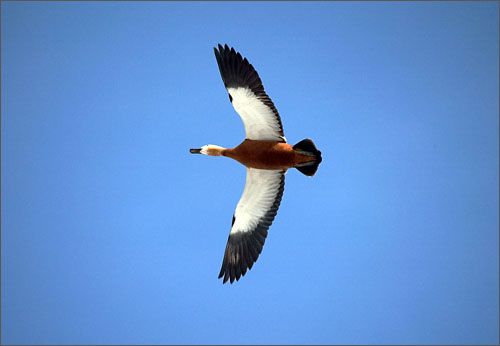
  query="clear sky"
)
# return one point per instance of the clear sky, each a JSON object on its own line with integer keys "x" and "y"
{"x": 112, "y": 232}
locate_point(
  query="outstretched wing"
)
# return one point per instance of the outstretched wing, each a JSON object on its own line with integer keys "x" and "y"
{"x": 254, "y": 214}
{"x": 246, "y": 93}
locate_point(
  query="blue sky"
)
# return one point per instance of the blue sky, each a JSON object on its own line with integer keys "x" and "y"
{"x": 113, "y": 233}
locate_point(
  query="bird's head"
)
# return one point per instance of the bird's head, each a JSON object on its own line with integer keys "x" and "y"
{"x": 209, "y": 149}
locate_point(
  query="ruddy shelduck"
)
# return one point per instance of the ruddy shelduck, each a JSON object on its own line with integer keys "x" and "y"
{"x": 267, "y": 156}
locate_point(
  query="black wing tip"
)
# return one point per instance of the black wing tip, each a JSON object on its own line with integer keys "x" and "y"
{"x": 220, "y": 48}
{"x": 236, "y": 70}
{"x": 242, "y": 251}
{"x": 224, "y": 54}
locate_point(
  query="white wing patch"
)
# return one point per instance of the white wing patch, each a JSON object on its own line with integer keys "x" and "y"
{"x": 260, "y": 121}
{"x": 260, "y": 200}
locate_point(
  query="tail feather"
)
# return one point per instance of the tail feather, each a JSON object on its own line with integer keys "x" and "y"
{"x": 308, "y": 168}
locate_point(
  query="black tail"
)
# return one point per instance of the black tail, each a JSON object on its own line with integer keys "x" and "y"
{"x": 307, "y": 146}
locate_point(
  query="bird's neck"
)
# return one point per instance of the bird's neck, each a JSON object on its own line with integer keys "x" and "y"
{"x": 214, "y": 150}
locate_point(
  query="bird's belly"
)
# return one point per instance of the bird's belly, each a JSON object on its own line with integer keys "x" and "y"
{"x": 268, "y": 160}
{"x": 264, "y": 154}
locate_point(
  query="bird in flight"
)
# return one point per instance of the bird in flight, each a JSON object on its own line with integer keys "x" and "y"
{"x": 267, "y": 156}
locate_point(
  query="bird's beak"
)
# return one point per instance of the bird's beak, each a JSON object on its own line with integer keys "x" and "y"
{"x": 195, "y": 151}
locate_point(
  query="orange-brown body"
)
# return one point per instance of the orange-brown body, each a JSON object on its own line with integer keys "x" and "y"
{"x": 266, "y": 155}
